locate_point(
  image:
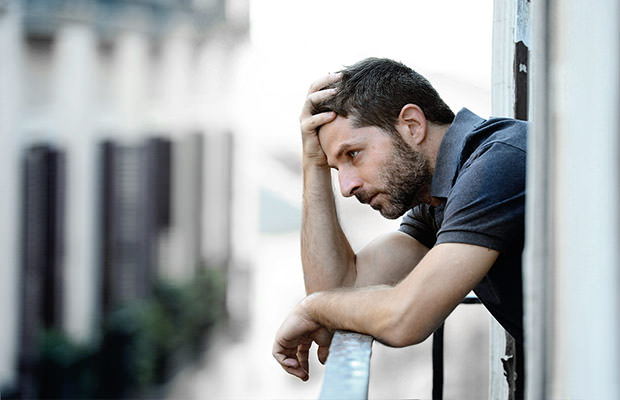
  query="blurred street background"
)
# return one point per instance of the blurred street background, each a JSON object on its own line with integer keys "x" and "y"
{"x": 151, "y": 189}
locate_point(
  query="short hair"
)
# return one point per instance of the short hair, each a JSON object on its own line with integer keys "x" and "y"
{"x": 373, "y": 91}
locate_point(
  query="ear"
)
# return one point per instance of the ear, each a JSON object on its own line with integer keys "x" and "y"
{"x": 412, "y": 123}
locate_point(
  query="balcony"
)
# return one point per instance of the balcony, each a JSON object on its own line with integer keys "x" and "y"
{"x": 347, "y": 370}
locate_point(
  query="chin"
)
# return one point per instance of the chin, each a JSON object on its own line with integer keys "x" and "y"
{"x": 393, "y": 214}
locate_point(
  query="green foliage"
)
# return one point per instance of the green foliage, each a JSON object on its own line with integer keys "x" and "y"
{"x": 141, "y": 342}
{"x": 65, "y": 368}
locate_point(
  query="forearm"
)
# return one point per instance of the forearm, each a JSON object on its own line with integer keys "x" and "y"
{"x": 398, "y": 316}
{"x": 376, "y": 311}
{"x": 327, "y": 258}
{"x": 410, "y": 311}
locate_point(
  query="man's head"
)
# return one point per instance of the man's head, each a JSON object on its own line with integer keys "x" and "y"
{"x": 373, "y": 91}
{"x": 379, "y": 141}
{"x": 380, "y": 169}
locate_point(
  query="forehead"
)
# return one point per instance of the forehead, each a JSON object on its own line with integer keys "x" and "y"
{"x": 340, "y": 134}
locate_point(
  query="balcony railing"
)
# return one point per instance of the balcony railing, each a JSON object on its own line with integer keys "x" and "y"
{"x": 348, "y": 367}
{"x": 347, "y": 371}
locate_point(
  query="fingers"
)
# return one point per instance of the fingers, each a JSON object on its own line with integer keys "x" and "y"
{"x": 288, "y": 360}
{"x": 293, "y": 340}
{"x": 310, "y": 124}
{"x": 302, "y": 356}
{"x": 317, "y": 97}
{"x": 318, "y": 93}
{"x": 295, "y": 370}
{"x": 324, "y": 81}
{"x": 322, "y": 353}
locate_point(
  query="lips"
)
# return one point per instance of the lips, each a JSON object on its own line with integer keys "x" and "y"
{"x": 365, "y": 198}
{"x": 372, "y": 200}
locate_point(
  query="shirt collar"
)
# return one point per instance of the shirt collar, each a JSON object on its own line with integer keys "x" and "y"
{"x": 450, "y": 150}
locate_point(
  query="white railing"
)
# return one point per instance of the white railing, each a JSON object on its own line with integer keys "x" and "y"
{"x": 347, "y": 370}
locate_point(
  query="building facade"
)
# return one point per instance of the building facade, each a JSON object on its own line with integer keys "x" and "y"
{"x": 109, "y": 137}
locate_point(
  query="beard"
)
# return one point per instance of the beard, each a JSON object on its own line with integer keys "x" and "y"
{"x": 406, "y": 178}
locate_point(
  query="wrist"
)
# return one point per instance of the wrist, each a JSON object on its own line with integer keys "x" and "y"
{"x": 307, "y": 307}
{"x": 316, "y": 171}
{"x": 312, "y": 159}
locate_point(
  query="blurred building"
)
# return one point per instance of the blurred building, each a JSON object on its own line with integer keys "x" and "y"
{"x": 116, "y": 157}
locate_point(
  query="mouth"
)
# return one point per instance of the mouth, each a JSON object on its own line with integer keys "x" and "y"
{"x": 372, "y": 201}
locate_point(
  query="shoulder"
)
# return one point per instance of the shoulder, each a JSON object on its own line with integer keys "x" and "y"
{"x": 496, "y": 155}
{"x": 494, "y": 144}
{"x": 495, "y": 170}
{"x": 486, "y": 204}
{"x": 508, "y": 131}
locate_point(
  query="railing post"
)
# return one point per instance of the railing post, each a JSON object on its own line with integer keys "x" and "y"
{"x": 438, "y": 353}
{"x": 438, "y": 363}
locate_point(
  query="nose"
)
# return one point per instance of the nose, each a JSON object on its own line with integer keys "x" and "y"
{"x": 349, "y": 183}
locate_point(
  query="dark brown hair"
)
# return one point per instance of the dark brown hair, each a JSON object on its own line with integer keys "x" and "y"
{"x": 373, "y": 91}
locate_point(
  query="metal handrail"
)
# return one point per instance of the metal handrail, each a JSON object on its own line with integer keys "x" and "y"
{"x": 347, "y": 369}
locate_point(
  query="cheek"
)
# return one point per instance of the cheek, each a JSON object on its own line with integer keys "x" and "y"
{"x": 381, "y": 170}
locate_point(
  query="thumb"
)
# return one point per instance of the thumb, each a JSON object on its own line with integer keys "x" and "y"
{"x": 323, "y": 338}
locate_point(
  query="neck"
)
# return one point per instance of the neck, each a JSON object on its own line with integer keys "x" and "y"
{"x": 434, "y": 136}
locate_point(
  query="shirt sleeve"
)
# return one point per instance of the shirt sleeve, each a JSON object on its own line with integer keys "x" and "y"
{"x": 487, "y": 202}
{"x": 418, "y": 223}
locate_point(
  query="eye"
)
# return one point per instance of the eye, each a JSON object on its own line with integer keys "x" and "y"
{"x": 353, "y": 153}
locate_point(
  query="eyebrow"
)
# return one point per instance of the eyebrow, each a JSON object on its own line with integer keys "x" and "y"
{"x": 346, "y": 146}
{"x": 341, "y": 149}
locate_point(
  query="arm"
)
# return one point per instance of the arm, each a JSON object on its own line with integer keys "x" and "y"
{"x": 327, "y": 257}
{"x": 398, "y": 316}
{"x": 329, "y": 262}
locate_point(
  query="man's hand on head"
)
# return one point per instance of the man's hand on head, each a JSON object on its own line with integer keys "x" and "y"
{"x": 293, "y": 341}
{"x": 310, "y": 123}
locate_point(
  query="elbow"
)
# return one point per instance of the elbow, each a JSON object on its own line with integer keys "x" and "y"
{"x": 399, "y": 337}
{"x": 404, "y": 328}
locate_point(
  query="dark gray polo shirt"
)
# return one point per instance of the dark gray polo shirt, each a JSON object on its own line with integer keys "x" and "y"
{"x": 480, "y": 179}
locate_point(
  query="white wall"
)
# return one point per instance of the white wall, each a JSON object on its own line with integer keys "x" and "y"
{"x": 585, "y": 98}
{"x": 573, "y": 273}
{"x": 10, "y": 102}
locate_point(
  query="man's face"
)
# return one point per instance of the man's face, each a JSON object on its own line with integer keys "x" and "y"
{"x": 377, "y": 168}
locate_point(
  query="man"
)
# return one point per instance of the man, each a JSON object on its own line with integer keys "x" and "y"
{"x": 399, "y": 148}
